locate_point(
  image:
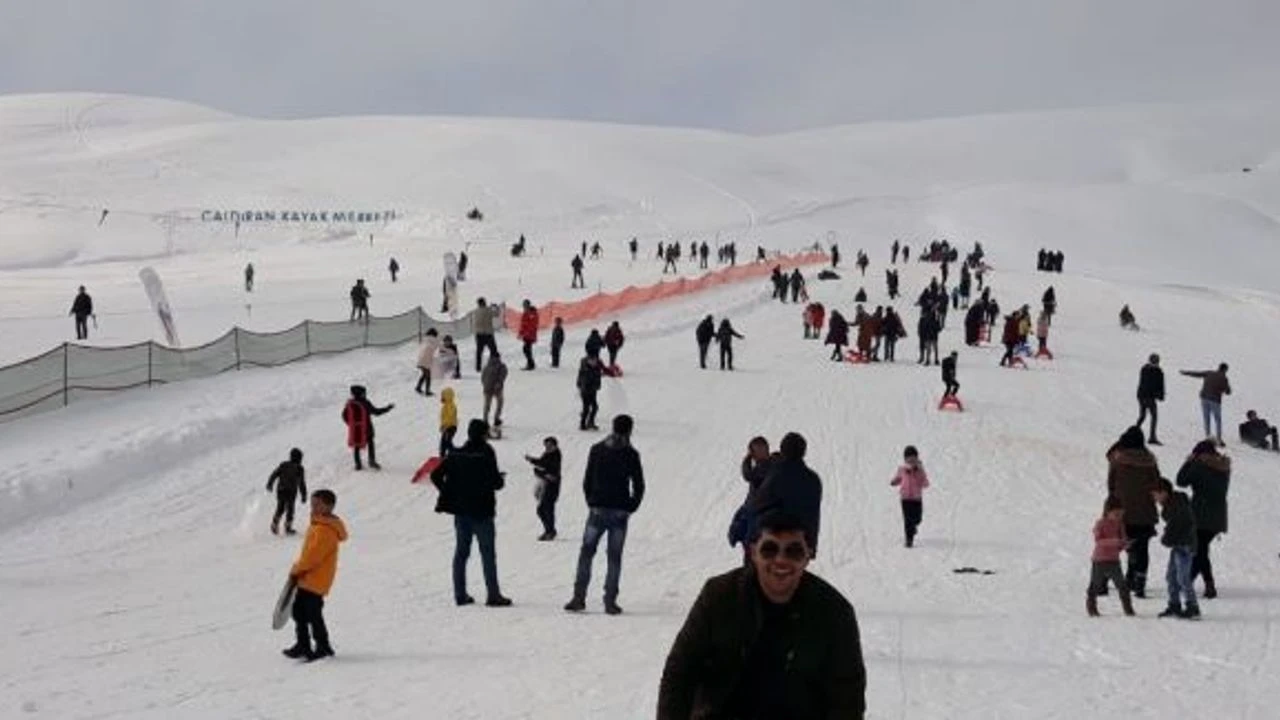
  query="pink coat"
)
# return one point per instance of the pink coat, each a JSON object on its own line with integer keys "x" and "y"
{"x": 911, "y": 482}
{"x": 1108, "y": 540}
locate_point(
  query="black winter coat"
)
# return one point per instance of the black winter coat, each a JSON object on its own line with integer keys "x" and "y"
{"x": 755, "y": 473}
{"x": 1209, "y": 477}
{"x": 1151, "y": 383}
{"x": 707, "y": 675}
{"x": 1179, "y": 522}
{"x": 82, "y": 306}
{"x": 557, "y": 337}
{"x": 928, "y": 328}
{"x": 468, "y": 481}
{"x": 793, "y": 488}
{"x": 948, "y": 369}
{"x": 589, "y": 376}
{"x": 705, "y": 332}
{"x": 614, "y": 479}
{"x": 289, "y": 478}
{"x": 594, "y": 344}
{"x": 547, "y": 467}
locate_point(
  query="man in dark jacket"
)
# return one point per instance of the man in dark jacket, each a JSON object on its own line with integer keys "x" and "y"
{"x": 704, "y": 334}
{"x": 289, "y": 480}
{"x": 1258, "y": 432}
{"x": 793, "y": 488}
{"x": 468, "y": 481}
{"x": 614, "y": 487}
{"x": 1150, "y": 392}
{"x": 557, "y": 342}
{"x": 1180, "y": 537}
{"x": 1131, "y": 476}
{"x": 82, "y": 308}
{"x": 359, "y": 301}
{"x": 769, "y": 640}
{"x": 594, "y": 344}
{"x": 547, "y": 469}
{"x": 949, "y": 375}
{"x": 1215, "y": 385}
{"x": 578, "y": 281}
{"x": 1208, "y": 473}
{"x": 590, "y": 376}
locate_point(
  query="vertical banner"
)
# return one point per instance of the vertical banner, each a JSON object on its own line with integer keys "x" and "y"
{"x": 451, "y": 284}
{"x": 160, "y": 304}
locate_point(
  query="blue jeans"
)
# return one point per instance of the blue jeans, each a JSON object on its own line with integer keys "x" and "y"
{"x": 1211, "y": 409}
{"x": 1178, "y": 578}
{"x": 599, "y": 522}
{"x": 466, "y": 527}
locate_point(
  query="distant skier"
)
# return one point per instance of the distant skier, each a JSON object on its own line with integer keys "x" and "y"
{"x": 1150, "y": 392}
{"x": 1215, "y": 384}
{"x": 557, "y": 342}
{"x": 314, "y": 572}
{"x": 578, "y": 281}
{"x": 359, "y": 301}
{"x": 394, "y": 269}
{"x": 547, "y": 469}
{"x": 613, "y": 340}
{"x": 493, "y": 382}
{"x": 590, "y": 377}
{"x": 911, "y": 481}
{"x": 288, "y": 481}
{"x": 835, "y": 256}
{"x": 81, "y": 309}
{"x": 528, "y": 333}
{"x": 704, "y": 334}
{"x": 248, "y": 277}
{"x": 426, "y": 360}
{"x": 1127, "y": 320}
{"x": 724, "y": 336}
{"x": 358, "y": 414}
{"x": 949, "y": 375}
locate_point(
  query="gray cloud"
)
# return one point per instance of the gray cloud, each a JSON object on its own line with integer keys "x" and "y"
{"x": 752, "y": 65}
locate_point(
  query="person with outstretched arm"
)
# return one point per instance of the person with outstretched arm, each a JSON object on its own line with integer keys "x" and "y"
{"x": 1213, "y": 387}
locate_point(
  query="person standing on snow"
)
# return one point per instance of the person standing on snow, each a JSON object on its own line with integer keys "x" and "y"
{"x": 289, "y": 480}
{"x": 835, "y": 256}
{"x": 81, "y": 309}
{"x": 1150, "y": 392}
{"x": 426, "y": 360}
{"x": 1215, "y": 385}
{"x": 547, "y": 469}
{"x": 248, "y": 277}
{"x": 358, "y": 414}
{"x": 493, "y": 382}
{"x": 1108, "y": 540}
{"x": 928, "y": 330}
{"x": 314, "y": 572}
{"x": 797, "y": 285}
{"x": 528, "y": 333}
{"x": 590, "y": 377}
{"x": 557, "y": 342}
{"x": 634, "y": 246}
{"x": 724, "y": 336}
{"x": 594, "y": 344}
{"x": 468, "y": 481}
{"x": 1042, "y": 330}
{"x": 837, "y": 335}
{"x": 1180, "y": 537}
{"x": 892, "y": 330}
{"x": 614, "y": 488}
{"x": 704, "y": 334}
{"x": 894, "y": 252}
{"x": 613, "y": 340}
{"x": 482, "y": 328}
{"x": 1208, "y": 473}
{"x": 394, "y": 269}
{"x": 1131, "y": 476}
{"x": 359, "y": 301}
{"x": 911, "y": 481}
{"x": 448, "y": 420}
{"x": 949, "y": 375}
{"x": 578, "y": 280}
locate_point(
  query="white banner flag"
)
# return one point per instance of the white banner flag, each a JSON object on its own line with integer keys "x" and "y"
{"x": 160, "y": 304}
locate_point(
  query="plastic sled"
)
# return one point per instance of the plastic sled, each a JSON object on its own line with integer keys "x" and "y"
{"x": 613, "y": 371}
{"x": 423, "y": 472}
{"x": 853, "y": 356}
{"x": 951, "y": 402}
{"x": 1044, "y": 354}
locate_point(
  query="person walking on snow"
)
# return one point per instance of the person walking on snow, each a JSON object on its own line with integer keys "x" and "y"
{"x": 1042, "y": 330}
{"x": 1150, "y": 392}
{"x": 448, "y": 419}
{"x": 724, "y": 336}
{"x": 1131, "y": 476}
{"x": 426, "y": 360}
{"x": 1108, "y": 540}
{"x": 578, "y": 281}
{"x": 594, "y": 344}
{"x": 590, "y": 376}
{"x": 634, "y": 247}
{"x": 528, "y": 332}
{"x": 704, "y": 334}
{"x": 314, "y": 572}
{"x": 614, "y": 488}
{"x": 1215, "y": 385}
{"x": 911, "y": 481}
{"x": 248, "y": 278}
{"x": 289, "y": 480}
{"x": 468, "y": 481}
{"x": 949, "y": 375}
{"x": 394, "y": 269}
{"x": 1180, "y": 537}
{"x": 359, "y": 301}
{"x": 1208, "y": 473}
{"x": 482, "y": 328}
{"x": 547, "y": 469}
{"x": 613, "y": 340}
{"x": 797, "y": 285}
{"x": 557, "y": 342}
{"x": 493, "y": 382}
{"x": 358, "y": 414}
{"x": 895, "y": 249}
{"x": 81, "y": 309}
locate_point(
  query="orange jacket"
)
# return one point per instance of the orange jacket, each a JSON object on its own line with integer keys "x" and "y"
{"x": 318, "y": 562}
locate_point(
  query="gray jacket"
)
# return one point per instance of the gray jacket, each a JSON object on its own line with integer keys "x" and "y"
{"x": 494, "y": 376}
{"x": 482, "y": 319}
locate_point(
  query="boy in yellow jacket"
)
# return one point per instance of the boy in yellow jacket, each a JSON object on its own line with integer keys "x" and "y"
{"x": 314, "y": 572}
{"x": 448, "y": 420}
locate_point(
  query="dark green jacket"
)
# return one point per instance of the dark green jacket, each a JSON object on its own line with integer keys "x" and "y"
{"x": 1208, "y": 476}
{"x": 825, "y": 677}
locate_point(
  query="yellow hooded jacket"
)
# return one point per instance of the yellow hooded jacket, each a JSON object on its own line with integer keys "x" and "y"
{"x": 448, "y": 409}
{"x": 318, "y": 562}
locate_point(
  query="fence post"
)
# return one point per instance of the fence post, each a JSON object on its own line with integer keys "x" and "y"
{"x": 66, "y": 376}
{"x": 366, "y": 330}
{"x": 306, "y": 332}
{"x": 150, "y": 345}
{"x": 420, "y": 314}
{"x": 235, "y": 339}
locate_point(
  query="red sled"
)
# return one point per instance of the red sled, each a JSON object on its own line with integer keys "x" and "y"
{"x": 424, "y": 472}
{"x": 952, "y": 402}
{"x": 613, "y": 371}
{"x": 1044, "y": 354}
{"x": 856, "y": 358}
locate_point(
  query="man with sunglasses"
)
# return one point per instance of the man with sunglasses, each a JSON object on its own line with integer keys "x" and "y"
{"x": 769, "y": 640}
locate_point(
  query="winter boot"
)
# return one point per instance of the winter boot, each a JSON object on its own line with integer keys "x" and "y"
{"x": 1127, "y": 604}
{"x": 288, "y": 530}
{"x": 611, "y": 607}
{"x": 1171, "y": 611}
{"x": 1191, "y": 612}
{"x": 546, "y": 537}
{"x": 576, "y": 605}
{"x": 319, "y": 653}
{"x": 498, "y": 601}
{"x": 1210, "y": 587}
{"x": 275, "y": 526}
{"x": 1091, "y": 605}
{"x": 296, "y": 652}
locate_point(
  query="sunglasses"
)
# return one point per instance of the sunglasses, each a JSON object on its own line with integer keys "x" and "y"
{"x": 794, "y": 551}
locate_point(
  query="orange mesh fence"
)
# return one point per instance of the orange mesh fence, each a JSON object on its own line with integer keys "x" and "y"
{"x": 602, "y": 304}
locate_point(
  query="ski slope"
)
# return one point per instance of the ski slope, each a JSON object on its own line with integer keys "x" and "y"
{"x": 137, "y": 568}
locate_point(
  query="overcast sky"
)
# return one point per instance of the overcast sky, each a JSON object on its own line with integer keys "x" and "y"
{"x": 751, "y": 65}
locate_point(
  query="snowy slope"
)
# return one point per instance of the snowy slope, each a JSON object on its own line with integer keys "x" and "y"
{"x": 136, "y": 566}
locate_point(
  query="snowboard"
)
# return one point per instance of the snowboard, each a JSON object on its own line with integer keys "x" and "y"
{"x": 424, "y": 471}
{"x": 284, "y": 605}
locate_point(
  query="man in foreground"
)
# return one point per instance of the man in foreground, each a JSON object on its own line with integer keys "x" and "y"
{"x": 769, "y": 640}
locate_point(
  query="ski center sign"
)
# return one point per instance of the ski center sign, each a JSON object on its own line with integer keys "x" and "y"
{"x": 298, "y": 216}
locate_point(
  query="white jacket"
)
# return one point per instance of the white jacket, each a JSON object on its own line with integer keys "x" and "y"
{"x": 427, "y": 352}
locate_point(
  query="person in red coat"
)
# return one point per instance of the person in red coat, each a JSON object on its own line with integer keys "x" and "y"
{"x": 1010, "y": 338}
{"x": 529, "y": 332}
{"x": 358, "y": 415}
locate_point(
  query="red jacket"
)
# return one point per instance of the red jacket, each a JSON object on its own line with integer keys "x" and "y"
{"x": 529, "y": 325}
{"x": 357, "y": 419}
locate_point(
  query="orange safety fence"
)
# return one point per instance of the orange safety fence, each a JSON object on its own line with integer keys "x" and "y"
{"x": 600, "y": 304}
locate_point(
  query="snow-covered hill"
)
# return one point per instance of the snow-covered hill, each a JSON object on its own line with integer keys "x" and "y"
{"x": 136, "y": 564}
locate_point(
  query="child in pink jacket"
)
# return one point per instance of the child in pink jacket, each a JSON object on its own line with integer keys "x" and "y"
{"x": 1108, "y": 540}
{"x": 911, "y": 480}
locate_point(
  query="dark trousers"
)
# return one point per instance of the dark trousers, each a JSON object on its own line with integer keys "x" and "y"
{"x": 1100, "y": 573}
{"x": 528, "y": 355}
{"x": 308, "y": 618}
{"x": 547, "y": 506}
{"x": 613, "y": 354}
{"x": 1148, "y": 406}
{"x": 578, "y": 281}
{"x": 484, "y": 340}
{"x": 726, "y": 356}
{"x": 465, "y": 528}
{"x": 82, "y": 327}
{"x": 373, "y": 455}
{"x": 1136, "y": 574}
{"x": 1201, "y": 564}
{"x": 446, "y": 440}
{"x": 912, "y": 514}
{"x": 589, "y": 409}
{"x": 424, "y": 381}
{"x": 284, "y": 508}
{"x": 1007, "y": 358}
{"x": 890, "y": 348}
{"x": 928, "y": 351}
{"x": 953, "y": 388}
{"x": 601, "y": 522}
{"x": 555, "y": 355}
{"x": 702, "y": 354}
{"x": 360, "y": 312}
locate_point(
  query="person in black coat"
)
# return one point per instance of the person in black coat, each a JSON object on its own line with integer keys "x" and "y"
{"x": 1208, "y": 473}
{"x": 578, "y": 281}
{"x": 756, "y": 464}
{"x": 724, "y": 336}
{"x": 590, "y": 377}
{"x": 82, "y": 308}
{"x": 594, "y": 344}
{"x": 1150, "y": 392}
{"x": 468, "y": 481}
{"x": 792, "y": 488}
{"x": 949, "y": 375}
{"x": 797, "y": 284}
{"x": 613, "y": 484}
{"x": 837, "y": 335}
{"x": 928, "y": 329}
{"x": 359, "y": 301}
{"x": 289, "y": 480}
{"x": 557, "y": 342}
{"x": 704, "y": 334}
{"x": 547, "y": 469}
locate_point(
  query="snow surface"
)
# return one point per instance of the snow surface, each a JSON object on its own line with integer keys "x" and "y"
{"x": 136, "y": 565}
